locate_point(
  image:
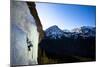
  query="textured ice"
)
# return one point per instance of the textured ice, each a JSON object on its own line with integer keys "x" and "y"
{"x": 22, "y": 27}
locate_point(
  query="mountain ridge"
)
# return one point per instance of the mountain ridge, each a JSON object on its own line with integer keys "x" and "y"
{"x": 54, "y": 32}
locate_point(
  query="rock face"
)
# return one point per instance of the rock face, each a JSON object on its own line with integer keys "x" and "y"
{"x": 26, "y": 33}
{"x": 34, "y": 13}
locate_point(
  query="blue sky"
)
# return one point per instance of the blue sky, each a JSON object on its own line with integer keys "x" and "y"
{"x": 66, "y": 16}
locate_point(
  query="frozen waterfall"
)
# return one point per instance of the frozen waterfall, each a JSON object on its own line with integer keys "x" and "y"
{"x": 23, "y": 26}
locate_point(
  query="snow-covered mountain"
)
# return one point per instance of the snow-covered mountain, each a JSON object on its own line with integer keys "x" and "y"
{"x": 55, "y": 32}
{"x": 85, "y": 31}
{"x": 76, "y": 30}
{"x": 65, "y": 30}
